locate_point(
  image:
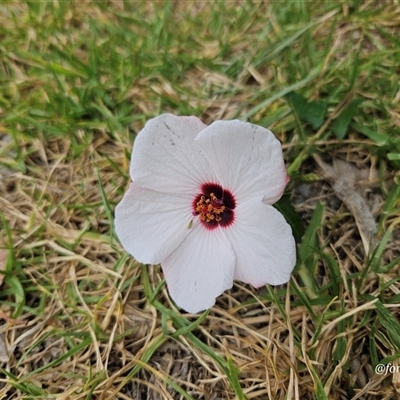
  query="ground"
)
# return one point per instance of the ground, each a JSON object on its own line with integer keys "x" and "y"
{"x": 79, "y": 317}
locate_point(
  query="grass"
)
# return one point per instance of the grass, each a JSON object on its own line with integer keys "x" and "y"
{"x": 80, "y": 319}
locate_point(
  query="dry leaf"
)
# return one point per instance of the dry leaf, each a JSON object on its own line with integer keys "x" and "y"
{"x": 3, "y": 350}
{"x": 3, "y": 261}
{"x": 344, "y": 178}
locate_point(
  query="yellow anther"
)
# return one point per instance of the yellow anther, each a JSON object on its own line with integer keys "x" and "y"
{"x": 209, "y": 208}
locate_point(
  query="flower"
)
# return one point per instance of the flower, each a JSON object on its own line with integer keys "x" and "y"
{"x": 200, "y": 204}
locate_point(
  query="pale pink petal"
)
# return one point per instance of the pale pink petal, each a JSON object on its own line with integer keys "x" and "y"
{"x": 246, "y": 158}
{"x": 263, "y": 244}
{"x": 200, "y": 269}
{"x": 151, "y": 225}
{"x": 165, "y": 158}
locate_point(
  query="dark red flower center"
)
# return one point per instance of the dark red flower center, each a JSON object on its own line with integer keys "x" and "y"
{"x": 214, "y": 206}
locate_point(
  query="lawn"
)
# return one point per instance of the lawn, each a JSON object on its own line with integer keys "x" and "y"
{"x": 82, "y": 319}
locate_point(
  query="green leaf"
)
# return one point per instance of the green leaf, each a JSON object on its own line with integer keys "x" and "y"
{"x": 75, "y": 350}
{"x": 334, "y": 269}
{"x": 377, "y": 255}
{"x": 310, "y": 239}
{"x": 28, "y": 388}
{"x": 194, "y": 325}
{"x": 18, "y": 291}
{"x": 341, "y": 124}
{"x": 389, "y": 207}
{"x": 285, "y": 206}
{"x": 379, "y": 138}
{"x": 234, "y": 379}
{"x": 393, "y": 156}
{"x": 390, "y": 323}
{"x": 307, "y": 260}
{"x": 106, "y": 203}
{"x": 373, "y": 351}
{"x": 341, "y": 341}
{"x": 313, "y": 112}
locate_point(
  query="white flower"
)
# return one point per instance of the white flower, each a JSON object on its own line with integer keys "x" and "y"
{"x": 200, "y": 204}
